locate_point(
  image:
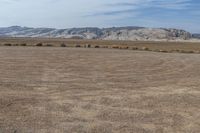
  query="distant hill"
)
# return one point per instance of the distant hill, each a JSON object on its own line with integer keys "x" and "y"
{"x": 113, "y": 33}
{"x": 196, "y": 36}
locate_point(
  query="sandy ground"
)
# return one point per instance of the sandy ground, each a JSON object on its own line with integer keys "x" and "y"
{"x": 74, "y": 90}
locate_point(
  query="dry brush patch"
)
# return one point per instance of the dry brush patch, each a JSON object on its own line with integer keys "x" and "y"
{"x": 179, "y": 47}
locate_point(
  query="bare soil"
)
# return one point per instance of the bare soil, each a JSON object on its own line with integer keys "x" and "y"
{"x": 77, "y": 90}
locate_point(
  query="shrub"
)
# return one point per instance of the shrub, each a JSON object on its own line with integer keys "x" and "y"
{"x": 177, "y": 50}
{"x": 96, "y": 47}
{"x": 62, "y": 45}
{"x": 7, "y": 44}
{"x": 190, "y": 51}
{"x": 134, "y": 48}
{"x": 183, "y": 51}
{"x": 89, "y": 46}
{"x": 115, "y": 47}
{"x": 125, "y": 47}
{"x": 23, "y": 44}
{"x": 105, "y": 46}
{"x": 39, "y": 44}
{"x": 78, "y": 46}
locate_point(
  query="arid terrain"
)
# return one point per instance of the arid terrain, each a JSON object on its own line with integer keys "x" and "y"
{"x": 82, "y": 90}
{"x": 156, "y": 46}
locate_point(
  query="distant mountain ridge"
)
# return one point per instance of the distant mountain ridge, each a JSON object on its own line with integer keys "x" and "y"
{"x": 196, "y": 36}
{"x": 113, "y": 33}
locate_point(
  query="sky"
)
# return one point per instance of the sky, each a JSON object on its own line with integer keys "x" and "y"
{"x": 181, "y": 14}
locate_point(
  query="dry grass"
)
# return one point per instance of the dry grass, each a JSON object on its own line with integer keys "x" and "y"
{"x": 79, "y": 90}
{"x": 167, "y": 47}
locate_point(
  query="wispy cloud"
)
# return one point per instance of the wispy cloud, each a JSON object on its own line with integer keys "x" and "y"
{"x": 169, "y": 4}
{"x": 101, "y": 13}
{"x": 138, "y": 5}
{"x": 110, "y": 13}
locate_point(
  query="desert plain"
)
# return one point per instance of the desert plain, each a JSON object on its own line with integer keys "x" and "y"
{"x": 98, "y": 90}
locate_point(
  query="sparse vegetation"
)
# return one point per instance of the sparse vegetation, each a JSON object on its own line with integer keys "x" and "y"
{"x": 169, "y": 47}
{"x": 7, "y": 44}
{"x": 184, "y": 51}
{"x": 124, "y": 47}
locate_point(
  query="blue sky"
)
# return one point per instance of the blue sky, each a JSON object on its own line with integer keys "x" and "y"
{"x": 183, "y": 14}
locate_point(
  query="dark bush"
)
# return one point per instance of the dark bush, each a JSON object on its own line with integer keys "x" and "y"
{"x": 124, "y": 47}
{"x": 7, "y": 44}
{"x": 62, "y": 45}
{"x": 23, "y": 44}
{"x": 184, "y": 51}
{"x": 135, "y": 48}
{"x": 39, "y": 44}
{"x": 96, "y": 47}
{"x": 78, "y": 46}
{"x": 115, "y": 47}
{"x": 177, "y": 50}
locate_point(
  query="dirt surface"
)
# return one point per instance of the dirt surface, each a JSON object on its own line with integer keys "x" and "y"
{"x": 77, "y": 90}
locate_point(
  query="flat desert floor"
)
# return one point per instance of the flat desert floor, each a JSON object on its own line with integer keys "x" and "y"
{"x": 77, "y": 90}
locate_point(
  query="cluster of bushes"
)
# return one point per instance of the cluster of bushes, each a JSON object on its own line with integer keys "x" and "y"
{"x": 9, "y": 44}
{"x": 183, "y": 51}
{"x": 96, "y": 46}
{"x": 87, "y": 46}
{"x": 115, "y": 47}
{"x": 63, "y": 45}
{"x": 112, "y": 46}
{"x": 134, "y": 48}
{"x": 104, "y": 46}
{"x": 23, "y": 44}
{"x": 39, "y": 44}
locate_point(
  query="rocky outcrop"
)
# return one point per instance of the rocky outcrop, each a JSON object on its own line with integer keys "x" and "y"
{"x": 146, "y": 34}
{"x": 114, "y": 33}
